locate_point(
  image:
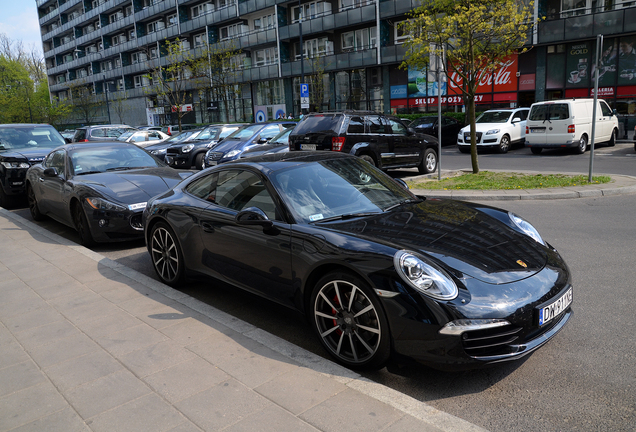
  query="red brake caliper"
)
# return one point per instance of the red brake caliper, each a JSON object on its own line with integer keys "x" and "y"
{"x": 333, "y": 311}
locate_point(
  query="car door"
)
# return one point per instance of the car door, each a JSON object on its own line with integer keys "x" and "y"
{"x": 604, "y": 124}
{"x": 248, "y": 256}
{"x": 408, "y": 146}
{"x": 52, "y": 188}
{"x": 380, "y": 141}
{"x": 450, "y": 129}
{"x": 514, "y": 127}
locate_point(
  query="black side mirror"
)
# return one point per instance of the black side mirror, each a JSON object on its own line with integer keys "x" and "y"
{"x": 50, "y": 172}
{"x": 411, "y": 130}
{"x": 68, "y": 140}
{"x": 254, "y": 216}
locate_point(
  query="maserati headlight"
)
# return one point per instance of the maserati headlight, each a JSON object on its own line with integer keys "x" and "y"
{"x": 232, "y": 153}
{"x": 187, "y": 148}
{"x": 424, "y": 277}
{"x": 526, "y": 227}
{"x": 102, "y": 204}
{"x": 15, "y": 164}
{"x": 493, "y": 131}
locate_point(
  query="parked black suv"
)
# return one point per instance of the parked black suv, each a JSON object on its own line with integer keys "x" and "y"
{"x": 184, "y": 154}
{"x": 22, "y": 145}
{"x": 383, "y": 141}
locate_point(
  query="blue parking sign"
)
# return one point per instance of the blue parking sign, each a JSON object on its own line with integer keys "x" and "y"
{"x": 304, "y": 90}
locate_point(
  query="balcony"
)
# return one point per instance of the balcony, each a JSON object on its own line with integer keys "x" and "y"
{"x": 349, "y": 60}
{"x": 259, "y": 73}
{"x": 155, "y": 9}
{"x": 394, "y": 8}
{"x": 249, "y": 6}
{"x": 588, "y": 26}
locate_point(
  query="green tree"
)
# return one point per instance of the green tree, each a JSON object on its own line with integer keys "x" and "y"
{"x": 86, "y": 104}
{"x": 172, "y": 82}
{"x": 474, "y": 36}
{"x": 218, "y": 70}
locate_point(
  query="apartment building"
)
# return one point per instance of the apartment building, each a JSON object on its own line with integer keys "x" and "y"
{"x": 356, "y": 42}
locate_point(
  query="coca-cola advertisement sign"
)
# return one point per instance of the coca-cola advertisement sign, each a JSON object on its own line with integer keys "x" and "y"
{"x": 503, "y": 79}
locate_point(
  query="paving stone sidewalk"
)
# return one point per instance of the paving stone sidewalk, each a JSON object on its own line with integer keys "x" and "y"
{"x": 87, "y": 344}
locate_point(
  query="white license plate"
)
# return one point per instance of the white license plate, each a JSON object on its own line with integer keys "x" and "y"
{"x": 554, "y": 309}
{"x": 537, "y": 130}
{"x": 308, "y": 146}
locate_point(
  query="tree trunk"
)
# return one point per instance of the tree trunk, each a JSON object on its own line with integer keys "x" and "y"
{"x": 473, "y": 134}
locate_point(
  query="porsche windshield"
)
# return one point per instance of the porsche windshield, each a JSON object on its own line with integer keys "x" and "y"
{"x": 337, "y": 188}
{"x": 98, "y": 160}
{"x": 29, "y": 137}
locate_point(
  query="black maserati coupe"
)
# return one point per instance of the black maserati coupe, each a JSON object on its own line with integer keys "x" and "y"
{"x": 377, "y": 270}
{"x": 100, "y": 189}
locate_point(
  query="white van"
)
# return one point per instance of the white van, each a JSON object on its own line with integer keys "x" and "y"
{"x": 568, "y": 123}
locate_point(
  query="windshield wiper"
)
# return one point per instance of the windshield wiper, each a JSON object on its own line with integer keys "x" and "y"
{"x": 407, "y": 201}
{"x": 87, "y": 172}
{"x": 123, "y": 168}
{"x": 347, "y": 216}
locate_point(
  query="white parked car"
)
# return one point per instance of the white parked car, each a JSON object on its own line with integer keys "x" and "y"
{"x": 568, "y": 123}
{"x": 142, "y": 137}
{"x": 498, "y": 128}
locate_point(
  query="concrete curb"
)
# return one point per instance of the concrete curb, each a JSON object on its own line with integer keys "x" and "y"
{"x": 406, "y": 404}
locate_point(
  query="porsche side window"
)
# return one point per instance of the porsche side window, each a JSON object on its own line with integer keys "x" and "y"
{"x": 204, "y": 188}
{"x": 238, "y": 190}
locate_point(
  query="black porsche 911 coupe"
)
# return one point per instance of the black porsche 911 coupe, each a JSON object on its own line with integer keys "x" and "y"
{"x": 377, "y": 270}
{"x": 99, "y": 189}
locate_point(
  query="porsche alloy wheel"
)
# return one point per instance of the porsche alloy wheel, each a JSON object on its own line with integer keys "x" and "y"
{"x": 167, "y": 258}
{"x": 350, "y": 321}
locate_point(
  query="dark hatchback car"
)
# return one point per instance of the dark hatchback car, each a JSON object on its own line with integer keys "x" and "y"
{"x": 385, "y": 142}
{"x": 100, "y": 132}
{"x": 245, "y": 138}
{"x": 191, "y": 152}
{"x": 22, "y": 145}
{"x": 377, "y": 270}
{"x": 159, "y": 149}
{"x": 100, "y": 189}
{"x": 428, "y": 125}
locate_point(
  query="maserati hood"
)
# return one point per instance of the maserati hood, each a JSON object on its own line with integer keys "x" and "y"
{"x": 131, "y": 187}
{"x": 456, "y": 235}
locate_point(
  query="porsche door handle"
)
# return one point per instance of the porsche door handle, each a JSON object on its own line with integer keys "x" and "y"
{"x": 207, "y": 227}
{"x": 41, "y": 179}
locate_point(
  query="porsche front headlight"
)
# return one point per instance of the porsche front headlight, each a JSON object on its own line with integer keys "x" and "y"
{"x": 526, "y": 227}
{"x": 426, "y": 278}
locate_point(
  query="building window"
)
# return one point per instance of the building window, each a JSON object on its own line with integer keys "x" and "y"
{"x": 232, "y": 31}
{"x": 128, "y": 10}
{"x": 201, "y": 9}
{"x": 399, "y": 33}
{"x": 199, "y": 40}
{"x": 154, "y": 52}
{"x": 266, "y": 56}
{"x": 314, "y": 48}
{"x": 155, "y": 26}
{"x": 172, "y": 20}
{"x": 359, "y": 39}
{"x": 115, "y": 17}
{"x": 310, "y": 10}
{"x": 131, "y": 34}
{"x": 264, "y": 23}
{"x": 119, "y": 39}
{"x": 239, "y": 61}
{"x": 350, "y": 4}
{"x": 148, "y": 3}
{"x": 138, "y": 57}
{"x": 142, "y": 81}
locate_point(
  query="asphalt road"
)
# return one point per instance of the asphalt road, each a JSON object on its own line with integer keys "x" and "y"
{"x": 583, "y": 380}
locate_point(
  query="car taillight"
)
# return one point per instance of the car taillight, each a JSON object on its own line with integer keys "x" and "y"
{"x": 527, "y": 130}
{"x": 84, "y": 140}
{"x": 571, "y": 129}
{"x": 337, "y": 143}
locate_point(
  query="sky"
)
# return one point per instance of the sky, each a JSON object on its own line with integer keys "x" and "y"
{"x": 19, "y": 21}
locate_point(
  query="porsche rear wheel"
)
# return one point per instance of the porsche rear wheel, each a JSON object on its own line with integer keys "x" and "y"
{"x": 350, "y": 321}
{"x": 166, "y": 255}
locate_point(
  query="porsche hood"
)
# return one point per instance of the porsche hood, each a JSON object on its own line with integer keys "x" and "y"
{"x": 457, "y": 235}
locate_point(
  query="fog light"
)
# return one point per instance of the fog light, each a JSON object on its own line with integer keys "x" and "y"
{"x": 102, "y": 223}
